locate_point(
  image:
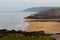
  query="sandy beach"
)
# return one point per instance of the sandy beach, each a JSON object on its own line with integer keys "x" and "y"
{"x": 49, "y": 27}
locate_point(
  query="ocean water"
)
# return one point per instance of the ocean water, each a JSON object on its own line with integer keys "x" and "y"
{"x": 14, "y": 20}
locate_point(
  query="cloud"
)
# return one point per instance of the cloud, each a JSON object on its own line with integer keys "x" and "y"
{"x": 34, "y": 1}
{"x": 42, "y": 2}
{"x": 22, "y": 4}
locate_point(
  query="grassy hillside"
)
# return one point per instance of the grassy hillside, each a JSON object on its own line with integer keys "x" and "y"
{"x": 23, "y": 35}
{"x": 17, "y": 37}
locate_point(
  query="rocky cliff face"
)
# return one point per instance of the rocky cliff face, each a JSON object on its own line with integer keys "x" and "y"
{"x": 53, "y": 13}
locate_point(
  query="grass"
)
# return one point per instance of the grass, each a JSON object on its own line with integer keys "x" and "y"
{"x": 17, "y": 37}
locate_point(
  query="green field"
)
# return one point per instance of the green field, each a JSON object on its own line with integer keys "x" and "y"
{"x": 17, "y": 37}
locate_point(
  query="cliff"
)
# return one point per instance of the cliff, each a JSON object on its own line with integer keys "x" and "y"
{"x": 36, "y": 9}
{"x": 53, "y": 13}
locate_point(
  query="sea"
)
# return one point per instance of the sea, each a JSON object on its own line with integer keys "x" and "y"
{"x": 14, "y": 20}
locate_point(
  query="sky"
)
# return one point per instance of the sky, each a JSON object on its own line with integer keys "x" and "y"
{"x": 17, "y": 5}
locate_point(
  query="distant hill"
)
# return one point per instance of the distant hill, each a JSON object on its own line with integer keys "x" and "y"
{"x": 53, "y": 13}
{"x": 36, "y": 9}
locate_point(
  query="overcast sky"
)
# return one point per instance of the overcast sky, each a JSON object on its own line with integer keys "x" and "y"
{"x": 17, "y": 5}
